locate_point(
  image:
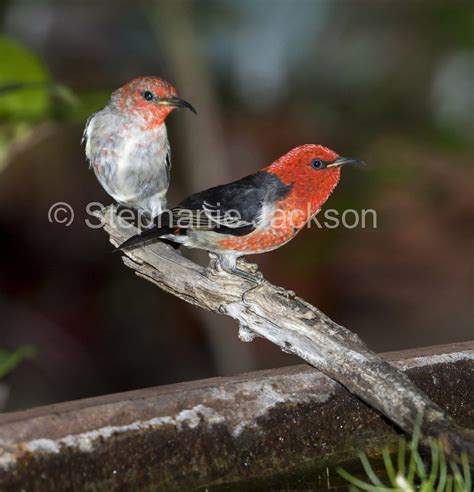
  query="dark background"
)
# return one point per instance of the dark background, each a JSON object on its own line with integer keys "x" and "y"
{"x": 389, "y": 82}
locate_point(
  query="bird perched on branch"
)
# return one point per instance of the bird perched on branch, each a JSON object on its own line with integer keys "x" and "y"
{"x": 127, "y": 143}
{"x": 255, "y": 214}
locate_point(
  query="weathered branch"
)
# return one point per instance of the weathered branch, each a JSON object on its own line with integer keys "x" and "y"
{"x": 296, "y": 327}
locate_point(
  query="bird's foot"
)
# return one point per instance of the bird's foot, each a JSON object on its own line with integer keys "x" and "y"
{"x": 244, "y": 265}
{"x": 247, "y": 271}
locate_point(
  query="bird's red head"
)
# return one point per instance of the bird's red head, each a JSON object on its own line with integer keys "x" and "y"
{"x": 313, "y": 171}
{"x": 151, "y": 98}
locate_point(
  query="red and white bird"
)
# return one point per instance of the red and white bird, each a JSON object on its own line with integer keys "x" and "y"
{"x": 255, "y": 214}
{"x": 127, "y": 143}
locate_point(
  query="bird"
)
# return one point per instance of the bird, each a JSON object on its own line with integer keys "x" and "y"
{"x": 126, "y": 143}
{"x": 255, "y": 214}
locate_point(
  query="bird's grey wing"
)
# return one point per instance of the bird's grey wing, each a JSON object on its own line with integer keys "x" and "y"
{"x": 86, "y": 136}
{"x": 168, "y": 162}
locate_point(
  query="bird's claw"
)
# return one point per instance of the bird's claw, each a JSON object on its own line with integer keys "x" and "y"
{"x": 214, "y": 267}
{"x": 246, "y": 266}
{"x": 214, "y": 263}
{"x": 247, "y": 271}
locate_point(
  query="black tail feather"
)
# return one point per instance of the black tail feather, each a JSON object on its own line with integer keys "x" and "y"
{"x": 145, "y": 237}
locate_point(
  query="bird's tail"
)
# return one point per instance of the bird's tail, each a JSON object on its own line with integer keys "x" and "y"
{"x": 150, "y": 236}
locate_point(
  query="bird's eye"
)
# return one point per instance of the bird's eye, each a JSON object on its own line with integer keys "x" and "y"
{"x": 317, "y": 164}
{"x": 148, "y": 96}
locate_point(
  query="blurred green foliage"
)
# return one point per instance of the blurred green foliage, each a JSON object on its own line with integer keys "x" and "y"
{"x": 89, "y": 102}
{"x": 413, "y": 474}
{"x": 27, "y": 101}
{"x": 28, "y": 96}
{"x": 9, "y": 360}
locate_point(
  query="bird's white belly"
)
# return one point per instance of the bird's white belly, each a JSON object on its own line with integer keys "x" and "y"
{"x": 132, "y": 166}
{"x": 139, "y": 171}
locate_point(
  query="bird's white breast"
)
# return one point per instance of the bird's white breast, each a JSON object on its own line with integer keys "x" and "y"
{"x": 129, "y": 160}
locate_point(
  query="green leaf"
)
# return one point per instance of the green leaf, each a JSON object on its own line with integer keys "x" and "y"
{"x": 466, "y": 470}
{"x": 25, "y": 80}
{"x": 9, "y": 360}
{"x": 360, "y": 484}
{"x": 369, "y": 471}
{"x": 389, "y": 466}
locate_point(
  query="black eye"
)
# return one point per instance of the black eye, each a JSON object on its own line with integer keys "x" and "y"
{"x": 148, "y": 96}
{"x": 317, "y": 164}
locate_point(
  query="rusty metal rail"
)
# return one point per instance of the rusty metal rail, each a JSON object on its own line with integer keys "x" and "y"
{"x": 287, "y": 427}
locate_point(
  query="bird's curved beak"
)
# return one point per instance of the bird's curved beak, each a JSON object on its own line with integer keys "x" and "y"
{"x": 344, "y": 161}
{"x": 177, "y": 102}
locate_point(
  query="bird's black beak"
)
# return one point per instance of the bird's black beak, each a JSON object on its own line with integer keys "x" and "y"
{"x": 344, "y": 161}
{"x": 177, "y": 102}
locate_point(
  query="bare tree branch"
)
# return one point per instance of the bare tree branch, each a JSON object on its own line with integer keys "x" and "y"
{"x": 296, "y": 327}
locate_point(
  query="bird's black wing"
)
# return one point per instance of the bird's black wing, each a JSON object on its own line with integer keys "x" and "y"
{"x": 234, "y": 208}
